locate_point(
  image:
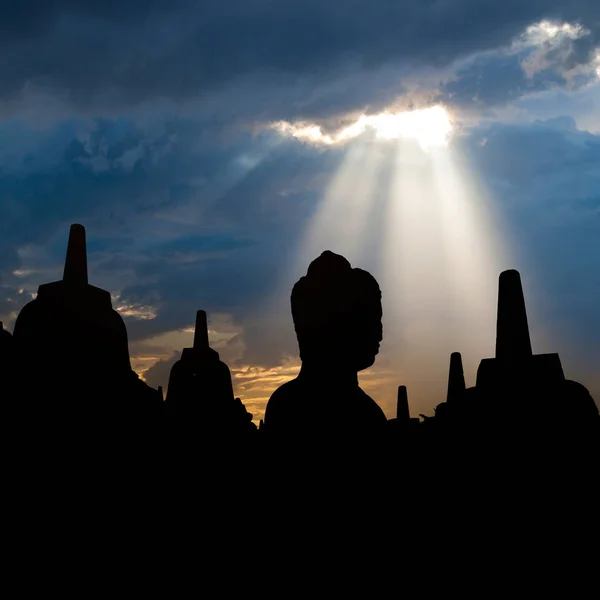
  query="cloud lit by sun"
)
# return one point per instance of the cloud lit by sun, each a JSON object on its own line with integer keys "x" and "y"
{"x": 430, "y": 127}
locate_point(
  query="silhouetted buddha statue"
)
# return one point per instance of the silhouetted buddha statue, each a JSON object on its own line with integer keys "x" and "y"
{"x": 200, "y": 395}
{"x": 338, "y": 321}
{"x": 74, "y": 354}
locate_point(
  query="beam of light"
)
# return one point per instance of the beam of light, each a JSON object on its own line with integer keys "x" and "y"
{"x": 409, "y": 257}
{"x": 431, "y": 127}
{"x": 341, "y": 221}
{"x": 440, "y": 262}
{"x": 473, "y": 248}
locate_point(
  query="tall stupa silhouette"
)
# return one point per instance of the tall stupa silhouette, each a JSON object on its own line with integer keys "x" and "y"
{"x": 73, "y": 345}
{"x": 515, "y": 368}
{"x": 521, "y": 385}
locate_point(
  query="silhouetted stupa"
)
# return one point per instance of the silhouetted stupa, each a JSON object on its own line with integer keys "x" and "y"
{"x": 200, "y": 393}
{"x": 453, "y": 407}
{"x": 456, "y": 379}
{"x": 402, "y": 408}
{"x": 70, "y": 337}
{"x": 515, "y": 367}
{"x": 75, "y": 316}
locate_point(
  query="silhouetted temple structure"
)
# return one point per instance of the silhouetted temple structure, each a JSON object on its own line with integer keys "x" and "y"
{"x": 518, "y": 386}
{"x": 72, "y": 401}
{"x": 515, "y": 369}
{"x": 74, "y": 357}
{"x": 200, "y": 396}
{"x": 453, "y": 408}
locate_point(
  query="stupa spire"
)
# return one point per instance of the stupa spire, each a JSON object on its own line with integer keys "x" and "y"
{"x": 76, "y": 261}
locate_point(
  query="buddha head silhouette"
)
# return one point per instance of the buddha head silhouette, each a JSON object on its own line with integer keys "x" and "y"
{"x": 337, "y": 314}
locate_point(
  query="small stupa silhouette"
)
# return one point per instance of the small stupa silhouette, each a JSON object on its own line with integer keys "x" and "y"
{"x": 200, "y": 383}
{"x": 456, "y": 379}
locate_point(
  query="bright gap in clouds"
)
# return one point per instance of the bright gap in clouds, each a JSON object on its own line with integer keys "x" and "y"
{"x": 430, "y": 127}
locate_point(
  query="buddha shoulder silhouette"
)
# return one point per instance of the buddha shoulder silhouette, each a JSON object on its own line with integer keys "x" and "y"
{"x": 337, "y": 317}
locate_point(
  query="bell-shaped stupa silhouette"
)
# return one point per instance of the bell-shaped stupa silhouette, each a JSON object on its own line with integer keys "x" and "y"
{"x": 200, "y": 393}
{"x": 74, "y": 319}
{"x": 75, "y": 344}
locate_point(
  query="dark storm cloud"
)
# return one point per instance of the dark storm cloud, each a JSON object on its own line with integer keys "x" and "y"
{"x": 111, "y": 169}
{"x": 102, "y": 53}
{"x": 186, "y": 247}
{"x": 539, "y": 163}
{"x": 117, "y": 177}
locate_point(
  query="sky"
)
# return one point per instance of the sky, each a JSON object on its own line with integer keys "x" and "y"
{"x": 212, "y": 150}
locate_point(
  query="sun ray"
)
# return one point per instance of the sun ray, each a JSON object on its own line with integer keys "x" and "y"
{"x": 342, "y": 219}
{"x": 440, "y": 260}
{"x": 474, "y": 255}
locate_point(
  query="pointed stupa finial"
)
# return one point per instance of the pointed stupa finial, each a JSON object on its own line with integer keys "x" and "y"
{"x": 76, "y": 262}
{"x": 402, "y": 410}
{"x": 512, "y": 330}
{"x": 456, "y": 378}
{"x": 201, "y": 331}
